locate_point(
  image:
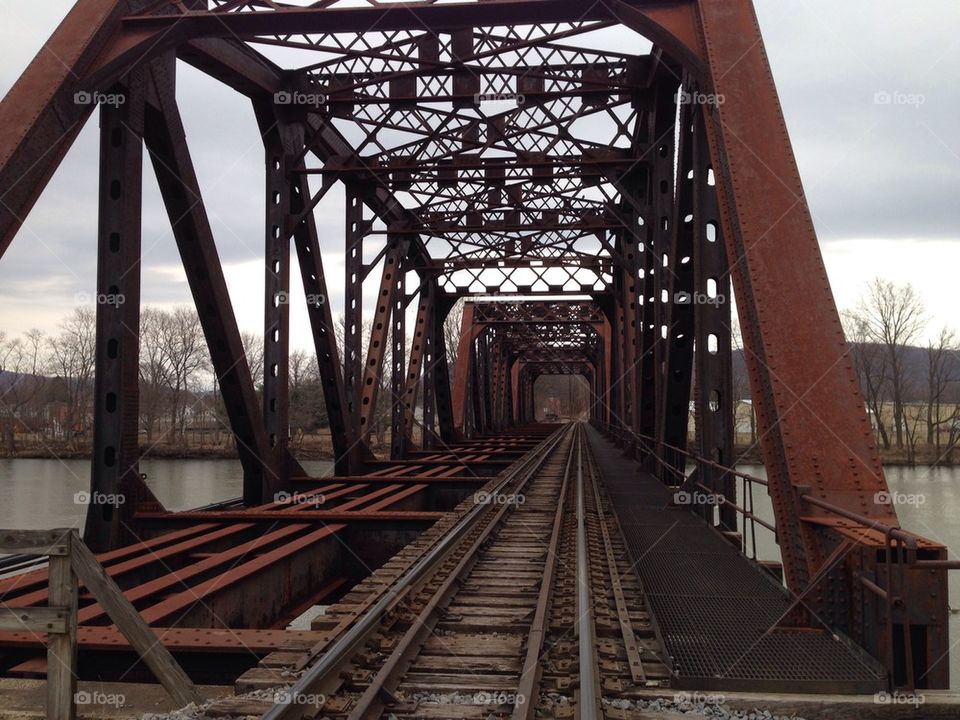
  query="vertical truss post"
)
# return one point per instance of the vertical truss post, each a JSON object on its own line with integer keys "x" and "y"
{"x": 490, "y": 376}
{"x": 191, "y": 229}
{"x": 509, "y": 418}
{"x": 483, "y": 386}
{"x": 523, "y": 377}
{"x": 605, "y": 397}
{"x": 439, "y": 372}
{"x": 418, "y": 348}
{"x": 397, "y": 246}
{"x": 463, "y": 374}
{"x": 714, "y": 351}
{"x": 429, "y": 396}
{"x": 398, "y": 354}
{"x": 117, "y": 489}
{"x": 619, "y": 350}
{"x": 628, "y": 314}
{"x": 515, "y": 392}
{"x": 676, "y": 283}
{"x": 662, "y": 127}
{"x": 276, "y": 305}
{"x": 356, "y": 228}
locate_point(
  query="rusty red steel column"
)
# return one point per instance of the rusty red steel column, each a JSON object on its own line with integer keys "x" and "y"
{"x": 116, "y": 488}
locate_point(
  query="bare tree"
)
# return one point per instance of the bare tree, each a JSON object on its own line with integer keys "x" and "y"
{"x": 942, "y": 373}
{"x": 893, "y": 317}
{"x": 185, "y": 354}
{"x": 72, "y": 356}
{"x": 23, "y": 360}
{"x": 154, "y": 370}
{"x": 871, "y": 363}
{"x": 253, "y": 349}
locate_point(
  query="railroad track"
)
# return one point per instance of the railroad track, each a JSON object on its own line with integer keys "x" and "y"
{"x": 525, "y": 607}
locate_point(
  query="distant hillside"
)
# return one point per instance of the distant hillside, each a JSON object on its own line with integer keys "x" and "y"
{"x": 916, "y": 362}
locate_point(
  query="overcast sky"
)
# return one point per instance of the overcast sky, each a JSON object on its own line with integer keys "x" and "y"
{"x": 870, "y": 90}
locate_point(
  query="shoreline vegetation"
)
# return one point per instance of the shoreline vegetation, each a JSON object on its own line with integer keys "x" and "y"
{"x": 318, "y": 447}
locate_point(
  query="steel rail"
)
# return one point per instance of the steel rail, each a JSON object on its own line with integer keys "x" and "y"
{"x": 371, "y": 704}
{"x": 354, "y": 637}
{"x": 588, "y": 701}
{"x": 634, "y": 658}
{"x": 527, "y": 690}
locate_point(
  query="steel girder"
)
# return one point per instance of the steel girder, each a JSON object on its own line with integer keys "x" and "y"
{"x": 505, "y": 345}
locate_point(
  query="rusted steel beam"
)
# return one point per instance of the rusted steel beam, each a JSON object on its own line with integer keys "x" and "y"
{"x": 677, "y": 279}
{"x": 306, "y": 516}
{"x": 413, "y": 16}
{"x": 463, "y": 373}
{"x": 116, "y": 487}
{"x": 356, "y": 228}
{"x": 425, "y": 311}
{"x": 180, "y": 190}
{"x": 404, "y": 480}
{"x": 713, "y": 394}
{"x": 380, "y": 332}
{"x": 42, "y": 113}
{"x": 398, "y": 355}
{"x": 322, "y": 326}
{"x": 280, "y": 143}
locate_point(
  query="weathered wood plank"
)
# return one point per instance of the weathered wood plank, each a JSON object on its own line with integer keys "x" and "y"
{"x": 62, "y": 647}
{"x": 35, "y": 619}
{"x": 141, "y": 638}
{"x": 35, "y": 542}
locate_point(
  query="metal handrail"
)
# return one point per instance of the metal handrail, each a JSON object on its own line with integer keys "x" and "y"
{"x": 897, "y": 541}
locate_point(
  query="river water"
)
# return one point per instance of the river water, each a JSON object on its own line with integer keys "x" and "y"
{"x": 40, "y": 494}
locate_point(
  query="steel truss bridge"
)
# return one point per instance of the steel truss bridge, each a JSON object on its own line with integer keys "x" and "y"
{"x": 596, "y": 181}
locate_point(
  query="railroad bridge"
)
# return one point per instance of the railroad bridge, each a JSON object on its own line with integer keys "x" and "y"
{"x": 594, "y": 184}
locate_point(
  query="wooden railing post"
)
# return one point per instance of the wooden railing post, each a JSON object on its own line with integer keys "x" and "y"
{"x": 62, "y": 647}
{"x": 128, "y": 621}
{"x": 71, "y": 561}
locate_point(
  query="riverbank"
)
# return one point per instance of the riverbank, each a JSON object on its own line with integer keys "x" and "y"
{"x": 320, "y": 447}
{"x": 314, "y": 447}
{"x": 923, "y": 456}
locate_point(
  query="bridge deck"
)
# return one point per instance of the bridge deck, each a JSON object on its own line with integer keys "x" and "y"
{"x": 716, "y": 610}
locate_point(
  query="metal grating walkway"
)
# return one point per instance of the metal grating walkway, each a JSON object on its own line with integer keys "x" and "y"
{"x": 715, "y": 609}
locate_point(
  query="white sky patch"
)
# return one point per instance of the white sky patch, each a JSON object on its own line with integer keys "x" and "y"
{"x": 929, "y": 265}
